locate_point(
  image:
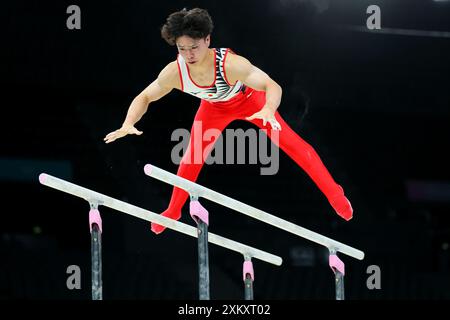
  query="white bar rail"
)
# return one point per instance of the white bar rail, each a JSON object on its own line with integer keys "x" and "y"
{"x": 197, "y": 190}
{"x": 101, "y": 199}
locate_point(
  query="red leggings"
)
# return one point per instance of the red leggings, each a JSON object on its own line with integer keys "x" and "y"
{"x": 218, "y": 116}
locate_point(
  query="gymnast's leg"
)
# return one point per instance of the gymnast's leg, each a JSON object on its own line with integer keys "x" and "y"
{"x": 306, "y": 157}
{"x": 207, "y": 117}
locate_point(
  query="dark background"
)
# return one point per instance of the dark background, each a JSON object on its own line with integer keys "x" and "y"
{"x": 376, "y": 107}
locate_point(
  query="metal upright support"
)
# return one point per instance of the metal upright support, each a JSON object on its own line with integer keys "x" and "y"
{"x": 338, "y": 268}
{"x": 200, "y": 216}
{"x": 248, "y": 276}
{"x": 95, "y": 226}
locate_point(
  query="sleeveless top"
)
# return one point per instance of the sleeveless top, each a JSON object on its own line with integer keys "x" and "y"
{"x": 220, "y": 90}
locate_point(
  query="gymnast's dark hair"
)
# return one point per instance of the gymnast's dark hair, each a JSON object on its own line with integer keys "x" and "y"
{"x": 195, "y": 23}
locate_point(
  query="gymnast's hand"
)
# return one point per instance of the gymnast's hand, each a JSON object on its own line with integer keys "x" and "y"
{"x": 267, "y": 115}
{"x": 122, "y": 132}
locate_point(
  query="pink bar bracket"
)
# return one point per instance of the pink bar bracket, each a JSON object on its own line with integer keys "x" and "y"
{"x": 198, "y": 212}
{"x": 94, "y": 217}
{"x": 248, "y": 269}
{"x": 336, "y": 264}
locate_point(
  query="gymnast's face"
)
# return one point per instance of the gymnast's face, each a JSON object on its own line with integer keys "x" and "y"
{"x": 193, "y": 50}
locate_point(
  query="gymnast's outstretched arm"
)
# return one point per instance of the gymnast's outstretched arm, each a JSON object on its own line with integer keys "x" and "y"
{"x": 166, "y": 81}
